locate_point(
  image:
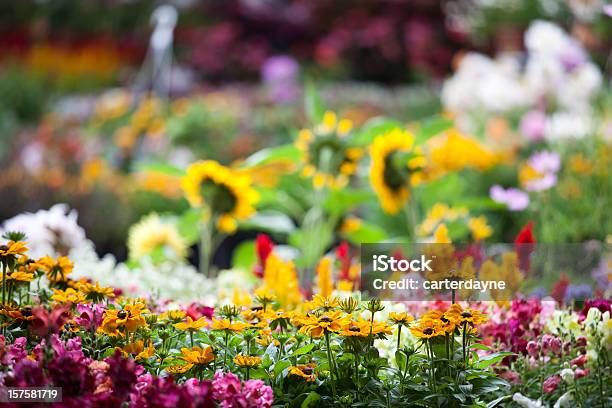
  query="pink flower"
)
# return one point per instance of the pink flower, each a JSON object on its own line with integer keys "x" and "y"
{"x": 513, "y": 198}
{"x": 580, "y": 372}
{"x": 533, "y": 124}
{"x": 258, "y": 394}
{"x": 226, "y": 390}
{"x": 90, "y": 315}
{"x": 551, "y": 383}
{"x": 533, "y": 349}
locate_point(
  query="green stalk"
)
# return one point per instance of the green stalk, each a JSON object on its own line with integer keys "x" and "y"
{"x": 206, "y": 247}
{"x": 331, "y": 364}
{"x": 3, "y": 283}
{"x": 399, "y": 333}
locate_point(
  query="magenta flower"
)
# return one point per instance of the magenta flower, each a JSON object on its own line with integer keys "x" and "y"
{"x": 90, "y": 315}
{"x": 513, "y": 198}
{"x": 258, "y": 394}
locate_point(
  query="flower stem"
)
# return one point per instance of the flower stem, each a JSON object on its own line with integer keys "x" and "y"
{"x": 206, "y": 247}
{"x": 399, "y": 333}
{"x": 331, "y": 364}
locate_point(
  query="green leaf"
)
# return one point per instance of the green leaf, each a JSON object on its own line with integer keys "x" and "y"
{"x": 313, "y": 104}
{"x": 494, "y": 403}
{"x": 375, "y": 127}
{"x": 491, "y": 359}
{"x": 480, "y": 347}
{"x": 341, "y": 201}
{"x": 189, "y": 226}
{"x": 263, "y": 156}
{"x": 432, "y": 127}
{"x": 303, "y": 350}
{"x": 244, "y": 256}
{"x": 164, "y": 168}
{"x": 313, "y": 400}
{"x": 280, "y": 366}
{"x": 269, "y": 221}
{"x": 366, "y": 232}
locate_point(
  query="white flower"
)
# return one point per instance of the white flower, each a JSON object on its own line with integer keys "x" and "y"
{"x": 543, "y": 75}
{"x": 567, "y": 375}
{"x": 579, "y": 87}
{"x": 525, "y": 402}
{"x": 565, "y": 125}
{"x": 564, "y": 401}
{"x": 50, "y": 232}
{"x": 546, "y": 38}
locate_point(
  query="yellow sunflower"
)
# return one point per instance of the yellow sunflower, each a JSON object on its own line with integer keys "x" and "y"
{"x": 327, "y": 154}
{"x": 396, "y": 165}
{"x": 226, "y": 193}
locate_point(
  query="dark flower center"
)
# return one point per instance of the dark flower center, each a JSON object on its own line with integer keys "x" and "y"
{"x": 444, "y": 319}
{"x": 394, "y": 177}
{"x": 307, "y": 370}
{"x": 428, "y": 331}
{"x": 466, "y": 314}
{"x": 123, "y": 314}
{"x": 326, "y": 319}
{"x": 354, "y": 328}
{"x": 219, "y": 197}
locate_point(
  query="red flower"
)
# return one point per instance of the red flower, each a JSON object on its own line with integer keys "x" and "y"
{"x": 558, "y": 291}
{"x": 263, "y": 247}
{"x": 342, "y": 253}
{"x": 524, "y": 245}
{"x": 48, "y": 322}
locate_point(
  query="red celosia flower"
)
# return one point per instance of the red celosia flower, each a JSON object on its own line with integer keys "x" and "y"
{"x": 524, "y": 245}
{"x": 342, "y": 253}
{"x": 263, "y": 247}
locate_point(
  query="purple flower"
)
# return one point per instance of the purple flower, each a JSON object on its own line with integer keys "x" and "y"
{"x": 280, "y": 68}
{"x": 577, "y": 292}
{"x": 607, "y": 9}
{"x": 515, "y": 199}
{"x": 533, "y": 124}
{"x": 280, "y": 74}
